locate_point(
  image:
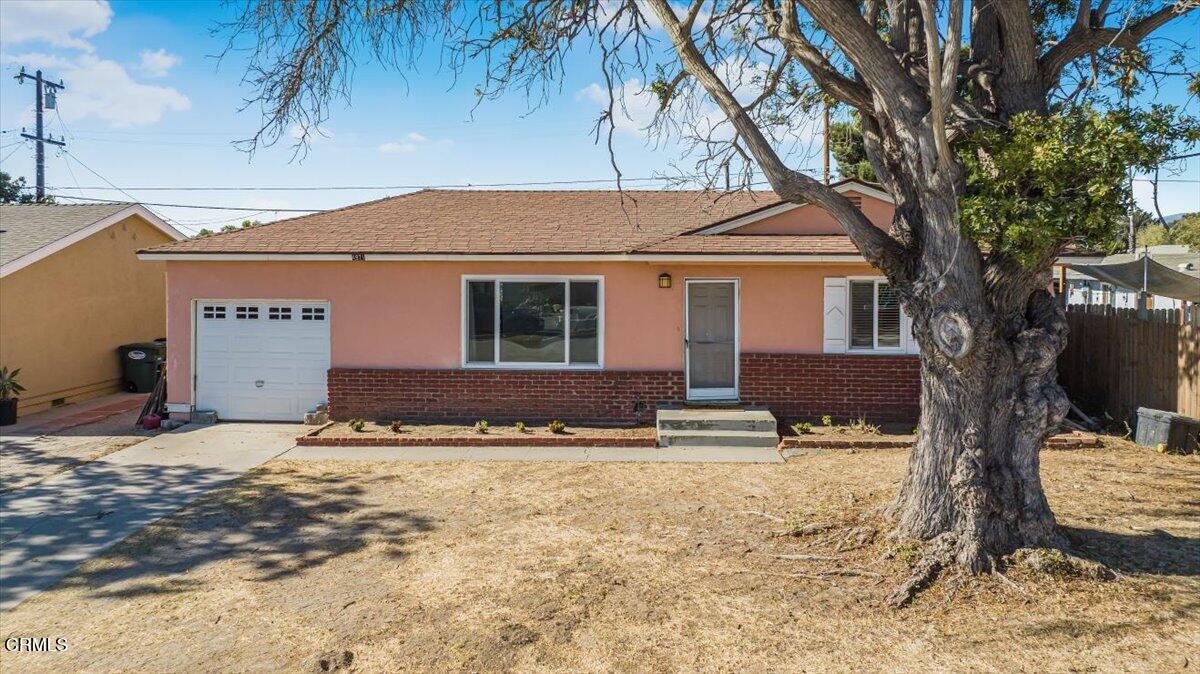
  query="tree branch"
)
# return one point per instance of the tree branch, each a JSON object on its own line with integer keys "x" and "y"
{"x": 876, "y": 246}
{"x": 1083, "y": 41}
{"x": 782, "y": 22}
{"x": 873, "y": 60}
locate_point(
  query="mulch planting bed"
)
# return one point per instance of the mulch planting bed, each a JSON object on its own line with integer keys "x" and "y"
{"x": 339, "y": 434}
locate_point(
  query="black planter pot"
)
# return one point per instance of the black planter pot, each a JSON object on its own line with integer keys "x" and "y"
{"x": 8, "y": 411}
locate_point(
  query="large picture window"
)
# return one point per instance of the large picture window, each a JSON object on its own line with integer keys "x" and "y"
{"x": 532, "y": 322}
{"x": 874, "y": 316}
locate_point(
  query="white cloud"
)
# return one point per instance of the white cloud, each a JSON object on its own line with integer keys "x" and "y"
{"x": 411, "y": 143}
{"x": 634, "y": 107}
{"x": 157, "y": 63}
{"x": 393, "y": 147}
{"x": 311, "y": 134}
{"x": 103, "y": 89}
{"x": 61, "y": 23}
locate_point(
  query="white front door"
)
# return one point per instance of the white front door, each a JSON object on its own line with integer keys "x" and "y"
{"x": 258, "y": 360}
{"x": 711, "y": 339}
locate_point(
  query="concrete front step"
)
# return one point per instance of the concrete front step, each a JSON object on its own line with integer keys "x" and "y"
{"x": 716, "y": 420}
{"x": 716, "y": 438}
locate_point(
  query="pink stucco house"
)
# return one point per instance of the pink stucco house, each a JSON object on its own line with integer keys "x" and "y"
{"x": 580, "y": 305}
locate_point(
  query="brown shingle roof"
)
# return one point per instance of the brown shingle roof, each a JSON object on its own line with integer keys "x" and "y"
{"x": 754, "y": 244}
{"x": 514, "y": 222}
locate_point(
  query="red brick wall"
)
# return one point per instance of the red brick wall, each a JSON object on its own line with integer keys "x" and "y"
{"x": 804, "y": 386}
{"x": 793, "y": 386}
{"x": 497, "y": 395}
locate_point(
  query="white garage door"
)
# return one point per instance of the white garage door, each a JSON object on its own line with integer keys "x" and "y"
{"x": 260, "y": 360}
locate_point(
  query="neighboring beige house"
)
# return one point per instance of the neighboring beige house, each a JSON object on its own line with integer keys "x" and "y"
{"x": 72, "y": 290}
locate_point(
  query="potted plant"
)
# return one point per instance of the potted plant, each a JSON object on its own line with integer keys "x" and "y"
{"x": 10, "y": 386}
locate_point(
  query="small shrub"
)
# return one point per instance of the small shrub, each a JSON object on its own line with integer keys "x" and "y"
{"x": 557, "y": 426}
{"x": 396, "y": 426}
{"x": 357, "y": 425}
{"x": 860, "y": 425}
{"x": 917, "y": 431}
{"x": 521, "y": 427}
{"x": 481, "y": 426}
{"x": 802, "y": 428}
{"x": 826, "y": 420}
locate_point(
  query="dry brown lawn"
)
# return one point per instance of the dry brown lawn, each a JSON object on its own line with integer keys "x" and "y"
{"x": 602, "y": 567}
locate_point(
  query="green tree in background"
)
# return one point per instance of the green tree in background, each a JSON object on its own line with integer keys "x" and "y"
{"x": 1184, "y": 232}
{"x": 14, "y": 191}
{"x": 846, "y": 146}
{"x": 246, "y": 224}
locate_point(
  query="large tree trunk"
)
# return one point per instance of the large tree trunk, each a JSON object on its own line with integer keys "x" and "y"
{"x": 973, "y": 481}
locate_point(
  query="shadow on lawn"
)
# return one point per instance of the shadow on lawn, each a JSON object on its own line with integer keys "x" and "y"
{"x": 1154, "y": 552}
{"x": 280, "y": 523}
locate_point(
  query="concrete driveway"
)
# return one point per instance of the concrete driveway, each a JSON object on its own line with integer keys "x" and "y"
{"x": 48, "y": 528}
{"x": 59, "y": 439}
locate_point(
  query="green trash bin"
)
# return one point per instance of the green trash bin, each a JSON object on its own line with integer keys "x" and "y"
{"x": 140, "y": 364}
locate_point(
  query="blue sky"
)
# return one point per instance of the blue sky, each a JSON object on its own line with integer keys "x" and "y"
{"x": 147, "y": 105}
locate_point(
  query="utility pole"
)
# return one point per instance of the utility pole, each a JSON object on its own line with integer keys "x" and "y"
{"x": 45, "y": 96}
{"x": 825, "y": 143}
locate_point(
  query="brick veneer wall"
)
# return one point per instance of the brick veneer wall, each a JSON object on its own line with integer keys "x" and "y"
{"x": 496, "y": 395}
{"x": 804, "y": 386}
{"x": 793, "y": 386}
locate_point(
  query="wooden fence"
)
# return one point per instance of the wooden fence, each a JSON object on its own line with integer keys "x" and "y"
{"x": 1115, "y": 363}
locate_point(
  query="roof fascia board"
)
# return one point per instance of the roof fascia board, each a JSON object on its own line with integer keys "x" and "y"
{"x": 437, "y": 257}
{"x": 840, "y": 188}
{"x": 81, "y": 234}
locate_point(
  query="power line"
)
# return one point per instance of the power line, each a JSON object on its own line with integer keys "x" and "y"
{"x": 335, "y": 188}
{"x": 18, "y": 147}
{"x": 89, "y": 169}
{"x": 211, "y": 208}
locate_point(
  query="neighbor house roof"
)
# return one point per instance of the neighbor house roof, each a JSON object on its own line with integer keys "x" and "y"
{"x": 30, "y": 232}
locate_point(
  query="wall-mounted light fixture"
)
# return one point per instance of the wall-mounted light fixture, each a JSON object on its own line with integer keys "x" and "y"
{"x": 664, "y": 280}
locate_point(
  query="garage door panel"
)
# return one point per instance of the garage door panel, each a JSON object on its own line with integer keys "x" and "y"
{"x": 245, "y": 346}
{"x": 214, "y": 373}
{"x": 271, "y": 369}
{"x": 216, "y": 343}
{"x": 311, "y": 377}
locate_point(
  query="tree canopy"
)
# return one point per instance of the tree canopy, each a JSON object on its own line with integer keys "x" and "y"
{"x": 14, "y": 191}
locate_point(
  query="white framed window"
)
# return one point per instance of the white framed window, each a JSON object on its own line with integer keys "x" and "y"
{"x": 246, "y": 312}
{"x": 215, "y": 311}
{"x": 873, "y": 316}
{"x": 312, "y": 313}
{"x": 279, "y": 313}
{"x": 533, "y": 322}
{"x": 863, "y": 315}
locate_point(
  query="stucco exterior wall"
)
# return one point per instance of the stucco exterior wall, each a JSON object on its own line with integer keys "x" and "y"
{"x": 812, "y": 219}
{"x": 409, "y": 314}
{"x": 62, "y": 318}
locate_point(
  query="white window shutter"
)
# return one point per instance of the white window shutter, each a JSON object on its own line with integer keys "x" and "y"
{"x": 910, "y": 344}
{"x": 835, "y": 315}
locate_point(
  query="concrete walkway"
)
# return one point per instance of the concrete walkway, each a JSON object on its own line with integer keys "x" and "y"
{"x": 47, "y": 529}
{"x": 626, "y": 454}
